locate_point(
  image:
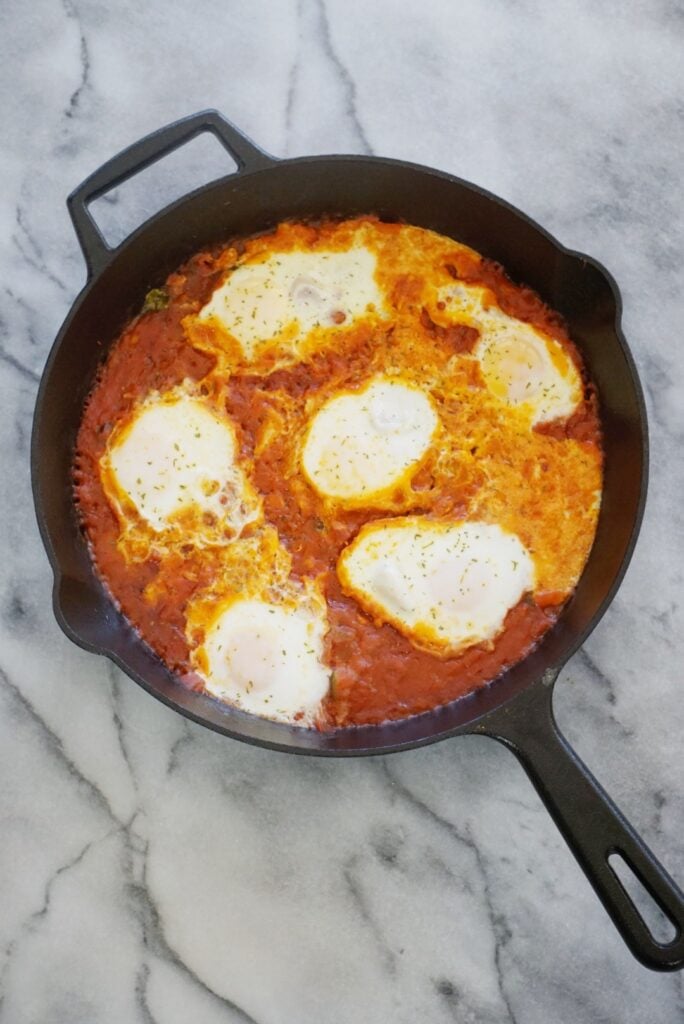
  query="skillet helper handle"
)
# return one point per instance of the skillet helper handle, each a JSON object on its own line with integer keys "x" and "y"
{"x": 139, "y": 156}
{"x": 591, "y": 824}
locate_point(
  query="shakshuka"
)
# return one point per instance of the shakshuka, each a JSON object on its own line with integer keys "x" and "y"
{"x": 340, "y": 473}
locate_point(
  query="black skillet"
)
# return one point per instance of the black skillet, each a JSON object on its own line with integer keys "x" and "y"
{"x": 517, "y": 708}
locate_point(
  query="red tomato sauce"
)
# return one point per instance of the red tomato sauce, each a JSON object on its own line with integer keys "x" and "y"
{"x": 377, "y": 673}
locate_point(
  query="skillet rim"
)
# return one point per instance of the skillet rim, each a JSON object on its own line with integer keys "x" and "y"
{"x": 232, "y": 727}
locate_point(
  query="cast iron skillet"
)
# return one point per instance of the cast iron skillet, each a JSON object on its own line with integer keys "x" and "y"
{"x": 516, "y": 709}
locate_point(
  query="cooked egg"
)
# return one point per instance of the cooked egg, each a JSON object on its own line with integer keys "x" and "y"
{"x": 174, "y": 462}
{"x": 521, "y": 365}
{"x": 443, "y": 585}
{"x": 286, "y": 295}
{"x": 360, "y": 444}
{"x": 267, "y": 659}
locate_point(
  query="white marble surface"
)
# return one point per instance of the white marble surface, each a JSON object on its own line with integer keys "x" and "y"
{"x": 153, "y": 872}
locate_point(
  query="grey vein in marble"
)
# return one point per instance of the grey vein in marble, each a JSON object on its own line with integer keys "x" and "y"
{"x": 153, "y": 872}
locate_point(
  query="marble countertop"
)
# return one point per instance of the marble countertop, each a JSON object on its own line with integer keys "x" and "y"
{"x": 153, "y": 872}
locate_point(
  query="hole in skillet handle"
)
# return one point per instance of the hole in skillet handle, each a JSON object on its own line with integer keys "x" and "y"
{"x": 658, "y": 922}
{"x": 142, "y": 154}
{"x": 122, "y": 209}
{"x": 592, "y": 825}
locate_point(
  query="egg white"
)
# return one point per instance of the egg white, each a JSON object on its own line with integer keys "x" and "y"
{"x": 174, "y": 462}
{"x": 286, "y": 295}
{"x": 522, "y": 366}
{"x": 443, "y": 585}
{"x": 267, "y": 658}
{"x": 360, "y": 444}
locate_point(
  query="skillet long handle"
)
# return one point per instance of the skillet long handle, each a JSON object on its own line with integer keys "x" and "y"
{"x": 141, "y": 154}
{"x": 592, "y": 825}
